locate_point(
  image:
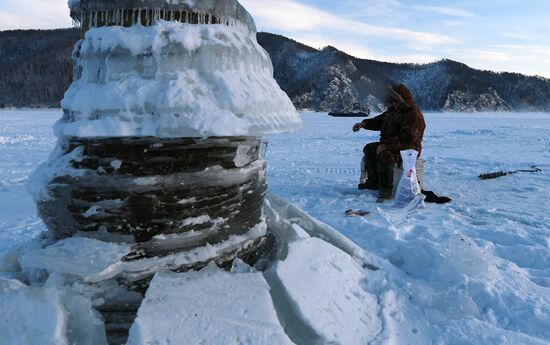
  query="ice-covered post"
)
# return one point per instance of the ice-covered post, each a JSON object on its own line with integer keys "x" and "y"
{"x": 160, "y": 143}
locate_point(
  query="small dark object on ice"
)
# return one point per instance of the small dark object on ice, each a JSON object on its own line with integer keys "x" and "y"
{"x": 433, "y": 198}
{"x": 498, "y": 174}
{"x": 361, "y": 213}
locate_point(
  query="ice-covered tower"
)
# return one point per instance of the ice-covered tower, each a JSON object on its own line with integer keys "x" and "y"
{"x": 161, "y": 139}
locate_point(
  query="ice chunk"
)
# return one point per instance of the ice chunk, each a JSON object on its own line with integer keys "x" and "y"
{"x": 324, "y": 286}
{"x": 86, "y": 258}
{"x": 242, "y": 157}
{"x": 93, "y": 261}
{"x": 84, "y": 324}
{"x": 116, "y": 164}
{"x": 31, "y": 315}
{"x": 49, "y": 315}
{"x": 208, "y": 307}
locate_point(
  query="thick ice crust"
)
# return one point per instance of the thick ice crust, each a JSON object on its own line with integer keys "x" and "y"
{"x": 174, "y": 80}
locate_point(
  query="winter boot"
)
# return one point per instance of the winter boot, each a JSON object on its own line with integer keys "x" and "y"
{"x": 385, "y": 173}
{"x": 372, "y": 182}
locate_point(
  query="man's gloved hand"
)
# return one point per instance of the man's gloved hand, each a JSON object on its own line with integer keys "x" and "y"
{"x": 357, "y": 127}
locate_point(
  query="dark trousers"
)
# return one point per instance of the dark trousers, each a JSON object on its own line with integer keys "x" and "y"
{"x": 380, "y": 168}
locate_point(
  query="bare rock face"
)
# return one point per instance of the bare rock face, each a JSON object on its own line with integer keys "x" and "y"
{"x": 460, "y": 101}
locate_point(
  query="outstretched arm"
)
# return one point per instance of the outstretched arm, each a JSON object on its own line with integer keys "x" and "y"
{"x": 374, "y": 124}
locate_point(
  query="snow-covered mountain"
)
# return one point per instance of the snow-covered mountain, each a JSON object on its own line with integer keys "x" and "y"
{"x": 326, "y": 79}
{"x": 35, "y": 69}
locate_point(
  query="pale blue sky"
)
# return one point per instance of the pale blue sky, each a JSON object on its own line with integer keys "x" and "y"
{"x": 501, "y": 35}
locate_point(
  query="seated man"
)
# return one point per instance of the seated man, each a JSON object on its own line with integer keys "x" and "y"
{"x": 401, "y": 128}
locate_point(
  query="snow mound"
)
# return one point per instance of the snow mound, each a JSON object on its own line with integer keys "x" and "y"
{"x": 208, "y": 307}
{"x": 174, "y": 80}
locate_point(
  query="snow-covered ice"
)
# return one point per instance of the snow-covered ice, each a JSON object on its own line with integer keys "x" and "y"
{"x": 324, "y": 285}
{"x": 476, "y": 271}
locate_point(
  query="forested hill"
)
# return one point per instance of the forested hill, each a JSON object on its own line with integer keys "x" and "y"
{"x": 35, "y": 66}
{"x": 327, "y": 79}
{"x": 35, "y": 70}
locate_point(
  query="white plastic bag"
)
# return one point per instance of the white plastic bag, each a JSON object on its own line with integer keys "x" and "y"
{"x": 409, "y": 195}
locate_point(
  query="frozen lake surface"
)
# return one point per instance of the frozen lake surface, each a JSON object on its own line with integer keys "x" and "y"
{"x": 476, "y": 271}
